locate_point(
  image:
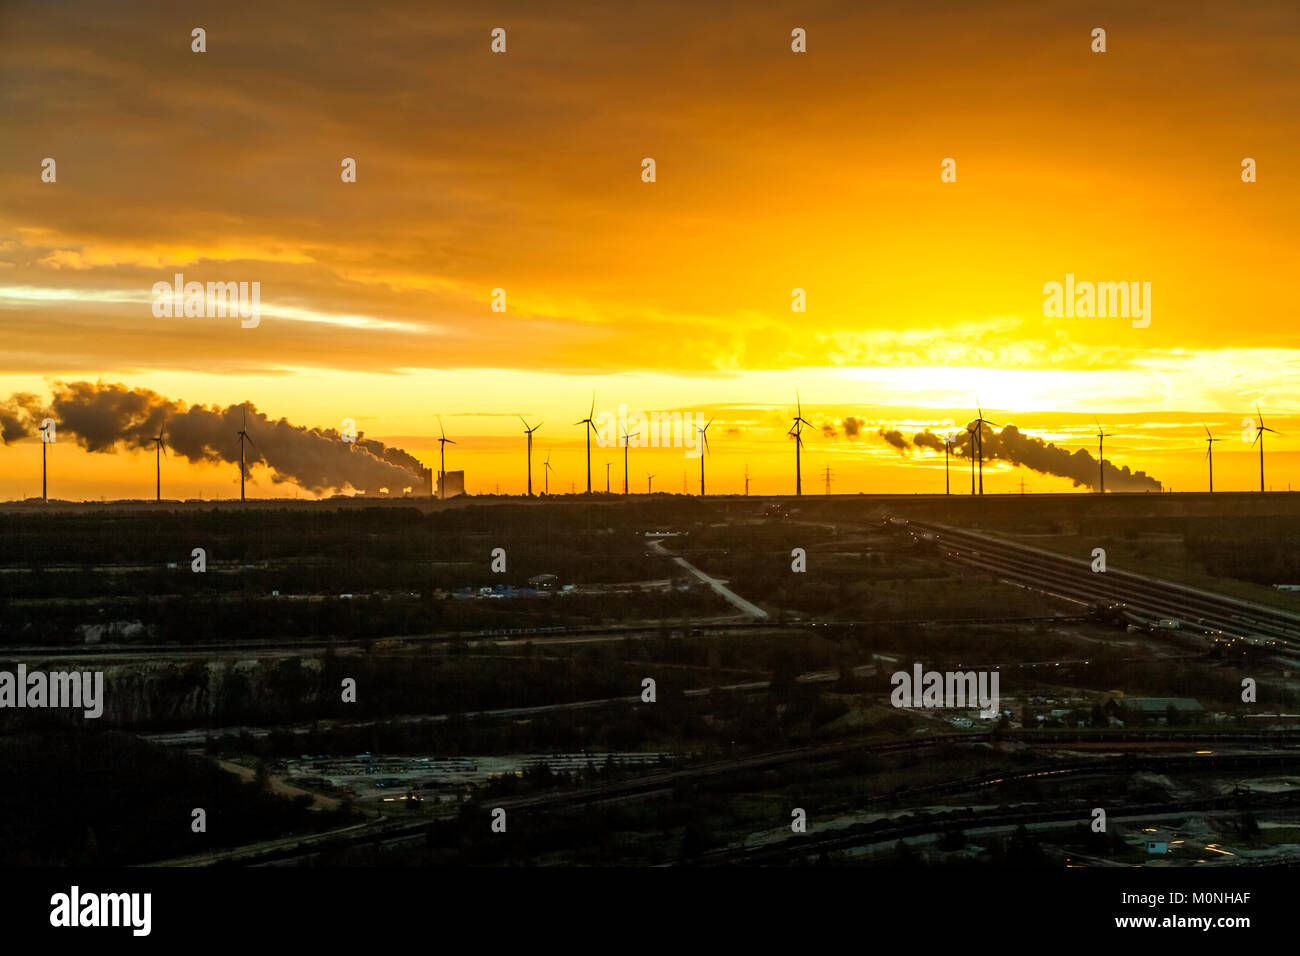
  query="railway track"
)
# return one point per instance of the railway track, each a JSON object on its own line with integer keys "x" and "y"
{"x": 1138, "y": 598}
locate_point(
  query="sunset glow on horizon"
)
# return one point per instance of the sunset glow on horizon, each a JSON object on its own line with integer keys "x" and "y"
{"x": 775, "y": 172}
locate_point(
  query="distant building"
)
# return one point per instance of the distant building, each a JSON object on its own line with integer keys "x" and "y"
{"x": 451, "y": 484}
{"x": 543, "y": 582}
{"x": 1157, "y": 841}
{"x": 1155, "y": 710}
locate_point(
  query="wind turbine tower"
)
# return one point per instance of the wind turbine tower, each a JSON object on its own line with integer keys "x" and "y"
{"x": 243, "y": 437}
{"x": 1101, "y": 455}
{"x": 704, "y": 436}
{"x": 529, "y": 432}
{"x": 1259, "y": 439}
{"x": 949, "y": 440}
{"x": 159, "y": 451}
{"x": 796, "y": 430}
{"x": 626, "y": 442}
{"x": 1209, "y": 452}
{"x": 980, "y": 422}
{"x": 591, "y": 427}
{"x": 45, "y": 442}
{"x": 443, "y": 442}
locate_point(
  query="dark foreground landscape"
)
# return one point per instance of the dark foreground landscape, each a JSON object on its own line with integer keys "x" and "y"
{"x": 657, "y": 680}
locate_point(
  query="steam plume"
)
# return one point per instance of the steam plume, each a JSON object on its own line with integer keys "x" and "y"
{"x": 1041, "y": 456}
{"x": 894, "y": 437}
{"x": 101, "y": 418}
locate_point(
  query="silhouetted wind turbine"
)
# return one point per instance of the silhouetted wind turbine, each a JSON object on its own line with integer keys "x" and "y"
{"x": 529, "y": 431}
{"x": 1259, "y": 438}
{"x": 443, "y": 442}
{"x": 591, "y": 427}
{"x": 158, "y": 453}
{"x": 626, "y": 436}
{"x": 546, "y": 473}
{"x": 1209, "y": 452}
{"x": 243, "y": 436}
{"x": 704, "y": 434}
{"x": 1101, "y": 455}
{"x": 948, "y": 441}
{"x": 980, "y": 422}
{"x": 649, "y": 482}
{"x": 796, "y": 430}
{"x": 48, "y": 423}
{"x": 970, "y": 428}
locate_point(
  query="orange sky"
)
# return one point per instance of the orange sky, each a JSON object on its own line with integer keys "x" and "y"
{"x": 775, "y": 170}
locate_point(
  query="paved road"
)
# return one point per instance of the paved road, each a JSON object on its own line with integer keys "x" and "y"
{"x": 734, "y": 599}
